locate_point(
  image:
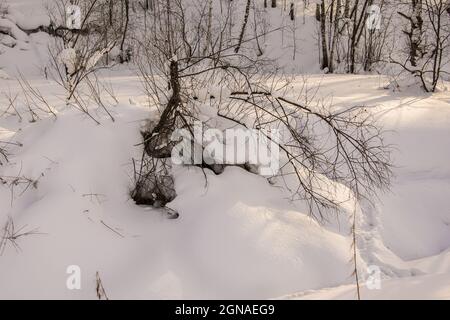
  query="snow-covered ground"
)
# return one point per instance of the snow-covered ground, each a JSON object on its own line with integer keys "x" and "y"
{"x": 237, "y": 236}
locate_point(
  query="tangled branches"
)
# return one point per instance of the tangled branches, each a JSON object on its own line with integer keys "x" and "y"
{"x": 322, "y": 148}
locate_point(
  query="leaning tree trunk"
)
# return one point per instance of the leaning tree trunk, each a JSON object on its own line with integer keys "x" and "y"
{"x": 158, "y": 142}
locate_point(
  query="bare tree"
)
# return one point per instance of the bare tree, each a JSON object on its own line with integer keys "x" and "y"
{"x": 176, "y": 52}
{"x": 125, "y": 56}
{"x": 244, "y": 26}
{"x": 427, "y": 60}
{"x": 321, "y": 9}
{"x": 355, "y": 156}
{"x": 76, "y": 53}
{"x": 415, "y": 32}
{"x": 172, "y": 70}
{"x": 345, "y": 35}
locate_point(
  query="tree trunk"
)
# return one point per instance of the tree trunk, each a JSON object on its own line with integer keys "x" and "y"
{"x": 208, "y": 32}
{"x": 336, "y": 34}
{"x": 292, "y": 12}
{"x": 123, "y": 57}
{"x": 244, "y": 26}
{"x": 111, "y": 8}
{"x": 416, "y": 32}
{"x": 323, "y": 36}
{"x": 158, "y": 142}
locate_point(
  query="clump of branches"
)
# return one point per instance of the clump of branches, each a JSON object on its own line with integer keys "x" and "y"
{"x": 11, "y": 235}
{"x": 321, "y": 146}
{"x": 11, "y": 105}
{"x": 153, "y": 183}
{"x": 20, "y": 182}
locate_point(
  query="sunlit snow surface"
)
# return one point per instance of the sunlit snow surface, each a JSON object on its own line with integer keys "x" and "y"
{"x": 237, "y": 236}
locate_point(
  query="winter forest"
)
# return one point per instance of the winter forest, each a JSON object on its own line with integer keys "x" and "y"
{"x": 225, "y": 149}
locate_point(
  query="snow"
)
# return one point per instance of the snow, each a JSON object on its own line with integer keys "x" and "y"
{"x": 8, "y": 41}
{"x": 431, "y": 287}
{"x": 233, "y": 226}
{"x": 68, "y": 57}
{"x": 238, "y": 237}
{"x": 9, "y": 27}
{"x": 86, "y": 180}
{"x": 26, "y": 21}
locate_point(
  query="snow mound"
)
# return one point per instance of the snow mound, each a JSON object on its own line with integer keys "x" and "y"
{"x": 243, "y": 227}
{"x": 9, "y": 27}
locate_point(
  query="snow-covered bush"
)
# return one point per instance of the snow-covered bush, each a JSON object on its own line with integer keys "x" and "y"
{"x": 76, "y": 53}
